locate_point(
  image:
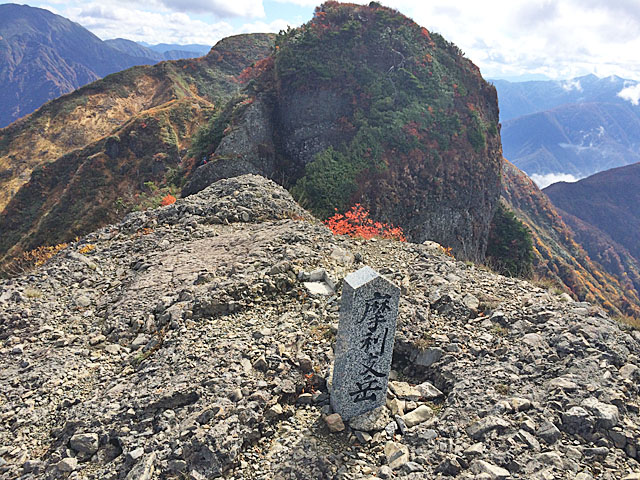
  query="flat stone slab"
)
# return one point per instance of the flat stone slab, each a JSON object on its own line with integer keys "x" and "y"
{"x": 405, "y": 391}
{"x": 495, "y": 473}
{"x": 478, "y": 429}
{"x": 428, "y": 391}
{"x": 397, "y": 454}
{"x": 372, "y": 421}
{"x": 318, "y": 288}
{"x": 419, "y": 415}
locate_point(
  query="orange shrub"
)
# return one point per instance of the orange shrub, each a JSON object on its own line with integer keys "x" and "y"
{"x": 39, "y": 256}
{"x": 357, "y": 223}
{"x": 168, "y": 200}
{"x": 87, "y": 248}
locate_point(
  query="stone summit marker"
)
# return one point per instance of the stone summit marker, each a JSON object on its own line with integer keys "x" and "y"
{"x": 364, "y": 344}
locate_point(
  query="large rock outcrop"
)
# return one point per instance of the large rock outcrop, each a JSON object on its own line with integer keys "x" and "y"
{"x": 361, "y": 105}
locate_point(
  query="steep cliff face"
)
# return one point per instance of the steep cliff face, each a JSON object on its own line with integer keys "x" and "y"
{"x": 361, "y": 105}
{"x": 559, "y": 257}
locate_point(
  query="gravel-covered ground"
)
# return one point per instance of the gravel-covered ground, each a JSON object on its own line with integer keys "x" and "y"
{"x": 191, "y": 342}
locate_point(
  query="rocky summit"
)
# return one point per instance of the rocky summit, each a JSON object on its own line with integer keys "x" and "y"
{"x": 196, "y": 341}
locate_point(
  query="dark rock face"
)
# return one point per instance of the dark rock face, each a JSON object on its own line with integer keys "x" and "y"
{"x": 247, "y": 149}
{"x": 298, "y": 124}
{"x": 214, "y": 171}
{"x": 347, "y": 112}
{"x": 309, "y": 122}
{"x": 455, "y": 212}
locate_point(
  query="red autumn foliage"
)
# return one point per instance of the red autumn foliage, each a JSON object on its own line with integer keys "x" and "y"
{"x": 357, "y": 223}
{"x": 168, "y": 200}
{"x": 255, "y": 70}
{"x": 425, "y": 34}
{"x": 412, "y": 129}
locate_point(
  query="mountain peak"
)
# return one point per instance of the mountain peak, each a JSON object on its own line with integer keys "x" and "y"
{"x": 44, "y": 55}
{"x": 351, "y": 108}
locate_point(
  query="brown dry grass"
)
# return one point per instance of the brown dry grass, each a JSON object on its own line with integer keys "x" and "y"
{"x": 43, "y": 137}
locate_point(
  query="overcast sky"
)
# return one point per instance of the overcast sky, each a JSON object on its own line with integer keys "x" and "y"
{"x": 505, "y": 38}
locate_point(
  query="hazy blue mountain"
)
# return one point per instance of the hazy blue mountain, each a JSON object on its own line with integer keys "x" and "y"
{"x": 134, "y": 48}
{"x": 578, "y": 139}
{"x": 157, "y": 52}
{"x": 522, "y": 98}
{"x": 178, "y": 54}
{"x": 167, "y": 47}
{"x": 578, "y": 127}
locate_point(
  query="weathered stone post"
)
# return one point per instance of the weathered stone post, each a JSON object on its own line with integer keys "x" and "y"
{"x": 364, "y": 345}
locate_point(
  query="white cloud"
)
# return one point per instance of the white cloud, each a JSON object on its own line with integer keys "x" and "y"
{"x": 262, "y": 27}
{"x": 571, "y": 85}
{"x": 547, "y": 179}
{"x": 554, "y": 38}
{"x": 220, "y": 8}
{"x": 303, "y": 3}
{"x": 558, "y": 39}
{"x": 631, "y": 93}
{"x": 113, "y": 21}
{"x": 51, "y": 8}
{"x": 171, "y": 21}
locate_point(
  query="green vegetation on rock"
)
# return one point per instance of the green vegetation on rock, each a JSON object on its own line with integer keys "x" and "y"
{"x": 510, "y": 249}
{"x": 404, "y": 86}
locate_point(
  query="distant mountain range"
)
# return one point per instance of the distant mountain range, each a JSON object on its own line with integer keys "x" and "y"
{"x": 604, "y": 212}
{"x": 197, "y": 48}
{"x": 577, "y": 257}
{"x": 577, "y": 127}
{"x": 43, "y": 56}
{"x": 160, "y": 52}
{"x": 522, "y": 98}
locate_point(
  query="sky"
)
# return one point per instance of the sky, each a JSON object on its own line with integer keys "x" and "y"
{"x": 511, "y": 39}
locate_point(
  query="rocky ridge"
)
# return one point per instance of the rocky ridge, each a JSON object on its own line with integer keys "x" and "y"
{"x": 564, "y": 255}
{"x": 85, "y": 160}
{"x": 188, "y": 342}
